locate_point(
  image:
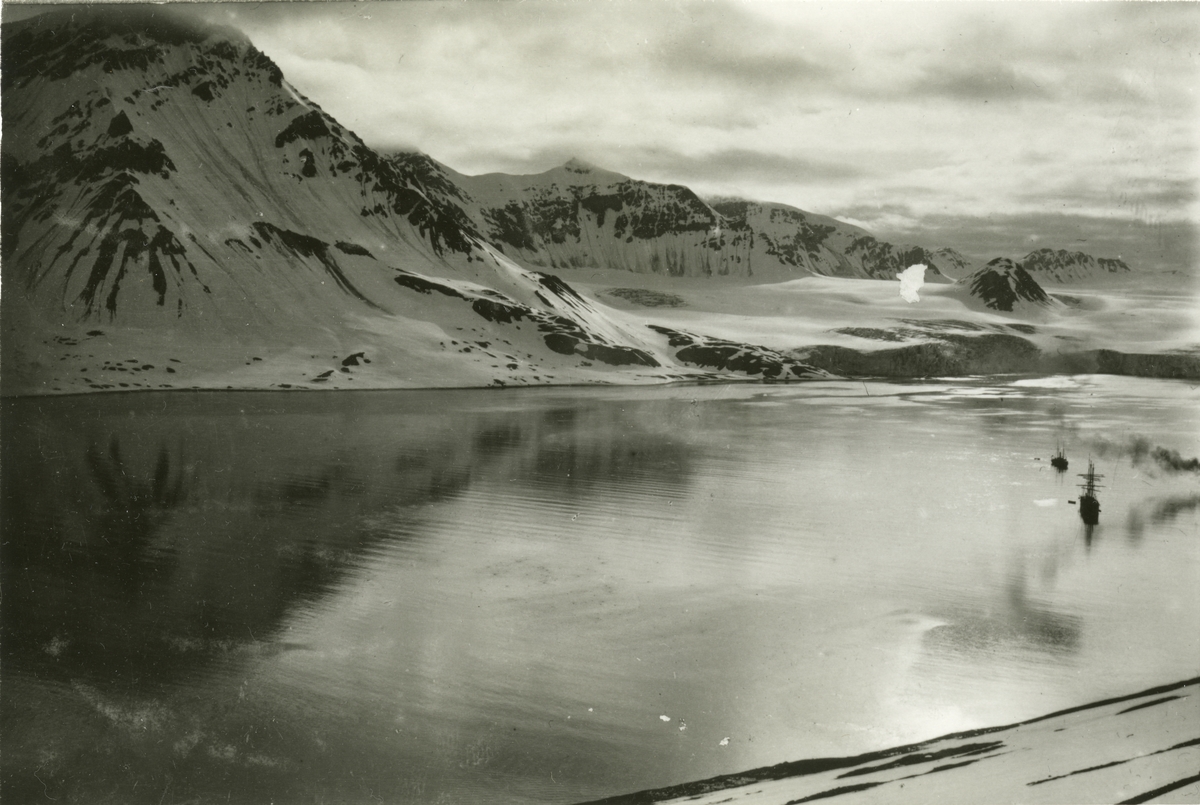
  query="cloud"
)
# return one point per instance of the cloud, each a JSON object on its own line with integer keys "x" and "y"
{"x": 897, "y": 219}
{"x": 1101, "y": 55}
{"x": 1164, "y": 191}
{"x": 979, "y": 83}
{"x": 1114, "y": 192}
{"x": 1134, "y": 180}
{"x": 712, "y": 46}
{"x": 669, "y": 166}
{"x": 745, "y": 164}
{"x": 701, "y": 62}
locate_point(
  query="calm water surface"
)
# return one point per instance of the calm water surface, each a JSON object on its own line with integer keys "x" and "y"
{"x": 556, "y": 595}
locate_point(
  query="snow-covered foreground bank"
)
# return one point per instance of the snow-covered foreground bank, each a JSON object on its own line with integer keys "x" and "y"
{"x": 1139, "y": 748}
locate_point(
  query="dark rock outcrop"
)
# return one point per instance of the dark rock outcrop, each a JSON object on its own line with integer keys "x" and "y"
{"x": 1002, "y": 285}
{"x": 730, "y": 356}
{"x": 951, "y": 355}
{"x": 957, "y": 355}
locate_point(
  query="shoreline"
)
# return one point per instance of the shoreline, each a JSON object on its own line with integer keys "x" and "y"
{"x": 1036, "y": 762}
{"x": 1179, "y": 366}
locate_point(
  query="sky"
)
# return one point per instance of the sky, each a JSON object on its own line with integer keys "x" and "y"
{"x": 992, "y": 127}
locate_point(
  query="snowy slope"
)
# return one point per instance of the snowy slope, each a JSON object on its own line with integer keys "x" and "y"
{"x": 1139, "y": 748}
{"x": 176, "y": 214}
{"x": 157, "y": 170}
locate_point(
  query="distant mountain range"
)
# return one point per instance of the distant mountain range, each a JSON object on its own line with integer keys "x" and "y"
{"x": 1060, "y": 265}
{"x": 167, "y": 190}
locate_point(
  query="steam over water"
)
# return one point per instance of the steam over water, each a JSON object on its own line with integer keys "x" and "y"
{"x": 555, "y": 595}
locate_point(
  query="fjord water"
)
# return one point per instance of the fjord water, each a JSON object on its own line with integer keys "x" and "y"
{"x": 560, "y": 594}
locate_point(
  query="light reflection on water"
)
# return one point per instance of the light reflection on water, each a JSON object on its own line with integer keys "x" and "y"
{"x": 484, "y": 596}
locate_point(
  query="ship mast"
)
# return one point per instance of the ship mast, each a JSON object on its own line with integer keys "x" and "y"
{"x": 1089, "y": 488}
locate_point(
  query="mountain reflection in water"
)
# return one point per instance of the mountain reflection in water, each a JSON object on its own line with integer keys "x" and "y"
{"x": 184, "y": 537}
{"x": 499, "y": 596}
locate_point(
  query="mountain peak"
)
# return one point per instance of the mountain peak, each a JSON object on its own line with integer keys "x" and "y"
{"x": 168, "y": 26}
{"x": 576, "y": 165}
{"x": 60, "y": 44}
{"x": 1002, "y": 284}
{"x": 579, "y": 172}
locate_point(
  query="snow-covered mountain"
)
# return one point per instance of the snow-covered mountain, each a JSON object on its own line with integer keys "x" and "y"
{"x": 1004, "y": 285}
{"x": 787, "y": 241}
{"x": 580, "y": 216}
{"x": 176, "y": 214}
{"x": 155, "y": 169}
{"x": 1062, "y": 266}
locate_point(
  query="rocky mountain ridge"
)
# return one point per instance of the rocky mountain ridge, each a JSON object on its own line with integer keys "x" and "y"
{"x": 1062, "y": 266}
{"x": 176, "y": 214}
{"x": 172, "y": 204}
{"x": 579, "y": 216}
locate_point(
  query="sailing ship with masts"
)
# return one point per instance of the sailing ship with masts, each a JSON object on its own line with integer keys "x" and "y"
{"x": 1089, "y": 504}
